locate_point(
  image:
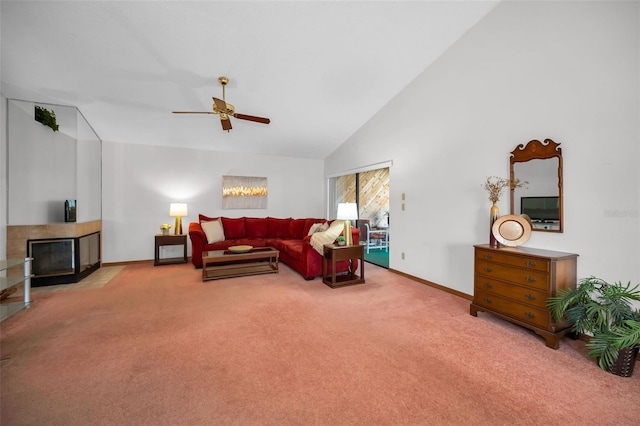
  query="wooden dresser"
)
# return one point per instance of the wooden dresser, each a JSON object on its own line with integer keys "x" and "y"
{"x": 514, "y": 284}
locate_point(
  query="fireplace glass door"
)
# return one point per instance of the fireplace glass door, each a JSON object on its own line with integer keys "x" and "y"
{"x": 52, "y": 257}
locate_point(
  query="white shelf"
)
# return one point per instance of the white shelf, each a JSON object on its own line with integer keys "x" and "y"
{"x": 8, "y": 308}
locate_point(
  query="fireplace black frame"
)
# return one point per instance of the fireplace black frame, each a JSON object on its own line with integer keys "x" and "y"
{"x": 83, "y": 246}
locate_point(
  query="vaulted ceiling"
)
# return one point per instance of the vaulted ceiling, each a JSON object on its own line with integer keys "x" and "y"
{"x": 318, "y": 69}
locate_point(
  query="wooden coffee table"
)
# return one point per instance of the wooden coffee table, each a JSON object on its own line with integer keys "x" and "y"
{"x": 217, "y": 264}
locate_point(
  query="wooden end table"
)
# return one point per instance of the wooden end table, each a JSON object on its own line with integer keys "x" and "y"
{"x": 170, "y": 240}
{"x": 334, "y": 253}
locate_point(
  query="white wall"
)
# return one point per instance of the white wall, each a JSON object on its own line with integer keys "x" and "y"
{"x": 139, "y": 183}
{"x": 88, "y": 172}
{"x": 3, "y": 177}
{"x": 42, "y": 165}
{"x": 568, "y": 71}
{"x": 45, "y": 168}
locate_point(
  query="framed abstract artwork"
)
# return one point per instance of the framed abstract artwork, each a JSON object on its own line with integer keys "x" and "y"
{"x": 244, "y": 192}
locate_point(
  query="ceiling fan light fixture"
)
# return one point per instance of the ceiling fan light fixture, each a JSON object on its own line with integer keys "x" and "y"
{"x": 225, "y": 110}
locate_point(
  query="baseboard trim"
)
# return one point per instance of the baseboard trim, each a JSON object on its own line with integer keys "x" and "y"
{"x": 135, "y": 262}
{"x": 434, "y": 285}
{"x": 128, "y": 262}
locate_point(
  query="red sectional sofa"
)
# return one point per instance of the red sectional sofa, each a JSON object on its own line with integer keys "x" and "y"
{"x": 289, "y": 236}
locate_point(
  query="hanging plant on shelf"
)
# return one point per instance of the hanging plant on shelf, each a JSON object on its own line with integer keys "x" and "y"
{"x": 47, "y": 118}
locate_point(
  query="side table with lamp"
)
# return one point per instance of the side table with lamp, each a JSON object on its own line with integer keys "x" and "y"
{"x": 177, "y": 210}
{"x": 333, "y": 253}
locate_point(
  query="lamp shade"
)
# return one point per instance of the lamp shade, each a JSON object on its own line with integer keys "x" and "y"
{"x": 178, "y": 209}
{"x": 347, "y": 211}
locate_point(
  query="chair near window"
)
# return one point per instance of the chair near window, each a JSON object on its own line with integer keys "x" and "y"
{"x": 373, "y": 238}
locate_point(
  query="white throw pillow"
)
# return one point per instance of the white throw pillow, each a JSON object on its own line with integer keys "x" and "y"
{"x": 213, "y": 230}
{"x": 318, "y": 227}
{"x": 314, "y": 228}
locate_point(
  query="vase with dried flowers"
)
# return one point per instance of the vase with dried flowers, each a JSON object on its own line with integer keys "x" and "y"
{"x": 495, "y": 186}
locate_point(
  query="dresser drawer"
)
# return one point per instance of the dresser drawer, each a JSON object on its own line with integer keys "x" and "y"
{"x": 533, "y": 279}
{"x": 516, "y": 293}
{"x": 522, "y": 312}
{"x": 519, "y": 261}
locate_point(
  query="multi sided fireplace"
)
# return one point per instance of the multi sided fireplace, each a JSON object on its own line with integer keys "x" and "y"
{"x": 63, "y": 260}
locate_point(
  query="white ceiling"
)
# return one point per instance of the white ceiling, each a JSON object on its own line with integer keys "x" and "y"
{"x": 318, "y": 69}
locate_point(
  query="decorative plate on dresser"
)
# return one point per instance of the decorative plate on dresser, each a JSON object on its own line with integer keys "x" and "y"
{"x": 514, "y": 284}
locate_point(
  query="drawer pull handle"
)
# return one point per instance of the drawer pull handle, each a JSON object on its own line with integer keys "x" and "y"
{"x": 487, "y": 269}
{"x": 488, "y": 285}
{"x": 530, "y": 297}
{"x": 530, "y": 315}
{"x": 531, "y": 264}
{"x": 486, "y": 300}
{"x": 488, "y": 256}
{"x": 530, "y": 279}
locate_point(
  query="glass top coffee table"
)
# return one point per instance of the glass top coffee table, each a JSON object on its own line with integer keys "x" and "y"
{"x": 217, "y": 264}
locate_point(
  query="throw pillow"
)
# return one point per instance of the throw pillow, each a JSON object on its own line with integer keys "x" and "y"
{"x": 314, "y": 228}
{"x": 214, "y": 231}
{"x": 203, "y": 218}
{"x": 308, "y": 223}
{"x": 318, "y": 227}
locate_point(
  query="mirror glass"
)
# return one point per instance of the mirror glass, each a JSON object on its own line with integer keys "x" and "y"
{"x": 539, "y": 164}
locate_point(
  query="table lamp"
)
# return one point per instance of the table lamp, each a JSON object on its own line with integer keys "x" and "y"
{"x": 347, "y": 212}
{"x": 178, "y": 210}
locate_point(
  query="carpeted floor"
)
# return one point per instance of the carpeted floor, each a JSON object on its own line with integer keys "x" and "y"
{"x": 156, "y": 345}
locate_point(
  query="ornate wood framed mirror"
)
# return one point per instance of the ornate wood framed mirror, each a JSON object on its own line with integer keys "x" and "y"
{"x": 540, "y": 164}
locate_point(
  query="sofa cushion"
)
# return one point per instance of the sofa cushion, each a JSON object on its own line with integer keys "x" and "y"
{"x": 222, "y": 245}
{"x": 234, "y": 228}
{"x": 255, "y": 227}
{"x": 213, "y": 230}
{"x": 293, "y": 248}
{"x": 276, "y": 243}
{"x": 277, "y": 228}
{"x": 296, "y": 227}
{"x": 253, "y": 242}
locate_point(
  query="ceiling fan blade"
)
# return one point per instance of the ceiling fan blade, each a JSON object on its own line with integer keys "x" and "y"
{"x": 220, "y": 105}
{"x": 193, "y": 112}
{"x": 226, "y": 123}
{"x": 252, "y": 118}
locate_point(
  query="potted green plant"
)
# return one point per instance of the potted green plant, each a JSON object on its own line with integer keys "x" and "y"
{"x": 604, "y": 311}
{"x": 341, "y": 240}
{"x": 46, "y": 117}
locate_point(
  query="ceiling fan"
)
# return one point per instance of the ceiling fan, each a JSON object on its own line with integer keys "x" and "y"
{"x": 225, "y": 110}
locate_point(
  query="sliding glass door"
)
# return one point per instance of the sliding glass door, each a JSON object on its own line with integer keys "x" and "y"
{"x": 370, "y": 190}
